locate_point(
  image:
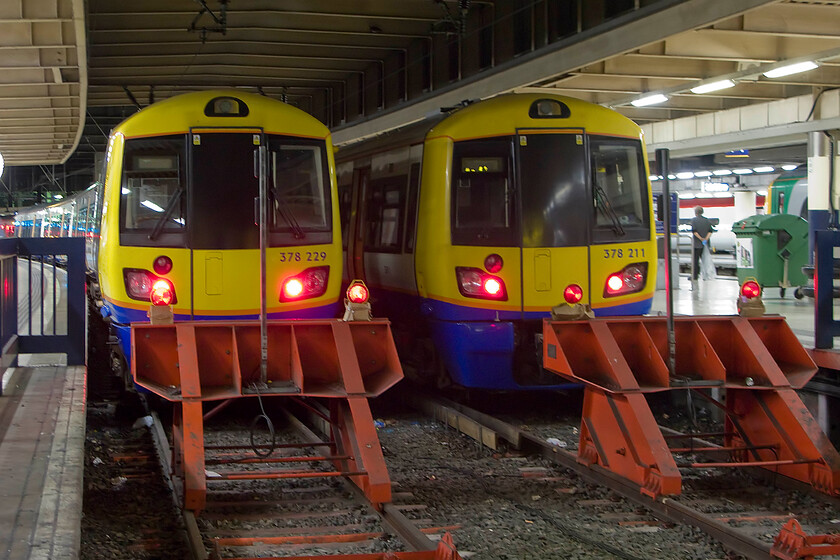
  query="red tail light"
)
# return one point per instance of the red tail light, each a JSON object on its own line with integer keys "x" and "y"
{"x": 310, "y": 283}
{"x": 142, "y": 285}
{"x": 750, "y": 289}
{"x": 493, "y": 263}
{"x": 162, "y": 293}
{"x": 475, "y": 283}
{"x": 162, "y": 265}
{"x": 357, "y": 292}
{"x": 628, "y": 280}
{"x": 573, "y": 294}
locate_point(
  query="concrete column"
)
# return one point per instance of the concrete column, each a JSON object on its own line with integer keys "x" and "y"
{"x": 744, "y": 204}
{"x": 819, "y": 167}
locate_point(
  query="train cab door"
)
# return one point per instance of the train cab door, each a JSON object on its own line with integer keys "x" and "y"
{"x": 555, "y": 209}
{"x": 355, "y": 250}
{"x": 223, "y": 235}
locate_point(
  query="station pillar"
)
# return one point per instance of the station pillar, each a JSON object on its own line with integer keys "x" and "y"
{"x": 819, "y": 195}
{"x": 744, "y": 204}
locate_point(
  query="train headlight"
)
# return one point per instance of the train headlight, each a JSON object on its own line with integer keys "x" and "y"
{"x": 475, "y": 283}
{"x": 142, "y": 285}
{"x": 310, "y": 283}
{"x": 628, "y": 280}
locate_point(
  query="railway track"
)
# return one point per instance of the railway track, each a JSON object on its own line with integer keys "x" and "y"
{"x": 744, "y": 511}
{"x": 280, "y": 516}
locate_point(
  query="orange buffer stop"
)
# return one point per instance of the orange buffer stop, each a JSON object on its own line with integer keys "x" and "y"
{"x": 755, "y": 363}
{"x": 344, "y": 362}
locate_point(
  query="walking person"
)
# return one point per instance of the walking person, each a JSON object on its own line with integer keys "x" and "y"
{"x": 701, "y": 231}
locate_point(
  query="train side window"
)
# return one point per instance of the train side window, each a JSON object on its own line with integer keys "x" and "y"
{"x": 383, "y": 211}
{"x": 81, "y": 222}
{"x": 412, "y": 201}
{"x": 483, "y": 201}
{"x": 153, "y": 172}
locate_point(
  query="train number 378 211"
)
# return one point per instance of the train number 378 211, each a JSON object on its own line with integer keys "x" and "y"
{"x": 621, "y": 253}
{"x": 308, "y": 256}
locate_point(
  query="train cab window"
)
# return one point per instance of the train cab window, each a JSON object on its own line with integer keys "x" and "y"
{"x": 619, "y": 190}
{"x": 81, "y": 222}
{"x": 152, "y": 207}
{"x": 483, "y": 202}
{"x": 299, "y": 183}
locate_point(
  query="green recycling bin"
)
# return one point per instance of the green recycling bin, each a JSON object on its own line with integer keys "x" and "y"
{"x": 772, "y": 248}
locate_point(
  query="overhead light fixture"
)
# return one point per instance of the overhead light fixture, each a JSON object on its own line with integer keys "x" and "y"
{"x": 2, "y": 164}
{"x": 791, "y": 69}
{"x": 151, "y": 205}
{"x": 721, "y": 172}
{"x": 743, "y": 171}
{"x": 702, "y": 173}
{"x": 652, "y": 178}
{"x": 713, "y": 86}
{"x": 789, "y": 167}
{"x": 686, "y": 195}
{"x": 649, "y": 100}
{"x": 767, "y": 169}
{"x": 672, "y": 176}
{"x": 715, "y": 187}
{"x": 685, "y": 175}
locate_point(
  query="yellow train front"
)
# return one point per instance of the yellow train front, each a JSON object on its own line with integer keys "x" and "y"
{"x": 180, "y": 212}
{"x": 472, "y": 226}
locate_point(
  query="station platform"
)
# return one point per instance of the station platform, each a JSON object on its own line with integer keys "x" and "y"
{"x": 42, "y": 438}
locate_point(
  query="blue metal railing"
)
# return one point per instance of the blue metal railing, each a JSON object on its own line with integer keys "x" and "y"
{"x": 53, "y": 317}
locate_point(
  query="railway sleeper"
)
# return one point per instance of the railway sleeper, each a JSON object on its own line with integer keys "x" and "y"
{"x": 748, "y": 367}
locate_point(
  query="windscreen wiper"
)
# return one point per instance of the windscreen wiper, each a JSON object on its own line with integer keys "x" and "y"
{"x": 602, "y": 202}
{"x": 170, "y": 206}
{"x": 287, "y": 214}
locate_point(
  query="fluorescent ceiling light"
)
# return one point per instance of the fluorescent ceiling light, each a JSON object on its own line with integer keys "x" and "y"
{"x": 721, "y": 172}
{"x": 685, "y": 175}
{"x": 649, "y": 100}
{"x": 685, "y": 195}
{"x": 151, "y": 206}
{"x": 723, "y": 194}
{"x": 761, "y": 193}
{"x": 791, "y": 69}
{"x": 125, "y": 191}
{"x": 713, "y": 86}
{"x": 672, "y": 176}
{"x": 744, "y": 171}
{"x": 653, "y": 177}
{"x": 767, "y": 169}
{"x": 789, "y": 167}
{"x": 2, "y": 164}
{"x": 702, "y": 173}
{"x": 58, "y": 197}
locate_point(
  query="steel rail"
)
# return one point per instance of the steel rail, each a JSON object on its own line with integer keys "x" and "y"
{"x": 412, "y": 536}
{"x": 664, "y": 508}
{"x": 164, "y": 452}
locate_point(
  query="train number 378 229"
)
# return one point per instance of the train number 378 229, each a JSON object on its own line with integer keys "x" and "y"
{"x": 308, "y": 256}
{"x": 621, "y": 253}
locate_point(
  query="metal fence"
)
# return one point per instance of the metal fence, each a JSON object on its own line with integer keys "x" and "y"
{"x": 42, "y": 303}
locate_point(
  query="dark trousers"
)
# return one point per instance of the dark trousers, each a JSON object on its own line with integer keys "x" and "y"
{"x": 696, "y": 253}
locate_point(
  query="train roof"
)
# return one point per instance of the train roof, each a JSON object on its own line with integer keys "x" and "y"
{"x": 515, "y": 111}
{"x": 510, "y": 112}
{"x": 179, "y": 114}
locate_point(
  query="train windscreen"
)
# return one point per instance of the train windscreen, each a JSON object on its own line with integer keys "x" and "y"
{"x": 619, "y": 190}
{"x": 483, "y": 205}
{"x": 151, "y": 201}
